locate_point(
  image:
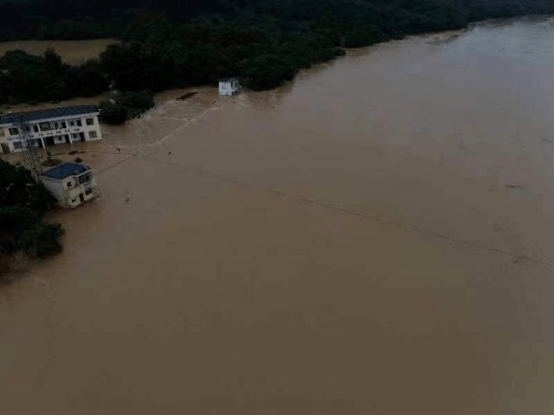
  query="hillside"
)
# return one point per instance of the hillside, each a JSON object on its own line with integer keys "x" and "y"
{"x": 178, "y": 43}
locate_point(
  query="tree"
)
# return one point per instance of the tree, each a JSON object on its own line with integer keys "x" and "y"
{"x": 267, "y": 71}
{"x": 42, "y": 240}
{"x": 23, "y": 204}
{"x": 87, "y": 79}
{"x": 112, "y": 113}
{"x": 125, "y": 106}
{"x": 178, "y": 43}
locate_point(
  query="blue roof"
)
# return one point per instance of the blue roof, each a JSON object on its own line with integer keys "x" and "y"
{"x": 46, "y": 114}
{"x": 64, "y": 170}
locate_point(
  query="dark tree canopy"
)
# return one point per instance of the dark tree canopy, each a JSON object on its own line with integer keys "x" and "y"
{"x": 178, "y": 43}
{"x": 23, "y": 204}
{"x": 124, "y": 106}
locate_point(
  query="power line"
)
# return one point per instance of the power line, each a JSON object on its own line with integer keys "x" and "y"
{"x": 220, "y": 178}
{"x": 29, "y": 155}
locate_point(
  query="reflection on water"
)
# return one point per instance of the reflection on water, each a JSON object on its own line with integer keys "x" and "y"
{"x": 372, "y": 237}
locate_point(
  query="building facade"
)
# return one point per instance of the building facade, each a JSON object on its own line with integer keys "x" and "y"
{"x": 70, "y": 183}
{"x": 229, "y": 86}
{"x": 49, "y": 127}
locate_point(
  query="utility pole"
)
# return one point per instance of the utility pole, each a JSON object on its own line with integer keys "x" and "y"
{"x": 29, "y": 155}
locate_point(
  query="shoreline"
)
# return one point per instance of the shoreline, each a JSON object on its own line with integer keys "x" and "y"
{"x": 282, "y": 235}
{"x": 32, "y": 46}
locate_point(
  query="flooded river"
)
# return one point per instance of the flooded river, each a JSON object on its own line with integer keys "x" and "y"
{"x": 375, "y": 236}
{"x": 74, "y": 52}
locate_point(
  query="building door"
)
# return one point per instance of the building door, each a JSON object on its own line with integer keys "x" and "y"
{"x": 5, "y": 148}
{"x": 50, "y": 141}
{"x": 82, "y": 197}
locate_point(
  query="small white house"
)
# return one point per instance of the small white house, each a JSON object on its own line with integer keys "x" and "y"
{"x": 70, "y": 183}
{"x": 229, "y": 86}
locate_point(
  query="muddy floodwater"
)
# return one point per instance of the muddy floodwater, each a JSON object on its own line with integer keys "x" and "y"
{"x": 72, "y": 51}
{"x": 375, "y": 236}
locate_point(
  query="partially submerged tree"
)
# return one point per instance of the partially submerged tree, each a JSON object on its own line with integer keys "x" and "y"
{"x": 122, "y": 107}
{"x": 23, "y": 204}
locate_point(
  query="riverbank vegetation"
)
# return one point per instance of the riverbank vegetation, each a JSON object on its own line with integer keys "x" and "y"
{"x": 124, "y": 106}
{"x": 23, "y": 205}
{"x": 180, "y": 43}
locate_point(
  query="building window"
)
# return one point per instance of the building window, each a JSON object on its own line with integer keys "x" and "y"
{"x": 14, "y": 131}
{"x": 92, "y": 134}
{"x": 72, "y": 123}
{"x": 85, "y": 178}
{"x": 90, "y": 121}
{"x": 64, "y": 125}
{"x": 17, "y": 145}
{"x": 73, "y": 201}
{"x": 1, "y": 131}
{"x": 35, "y": 128}
{"x": 69, "y": 184}
{"x": 79, "y": 122}
{"x": 88, "y": 191}
{"x": 44, "y": 126}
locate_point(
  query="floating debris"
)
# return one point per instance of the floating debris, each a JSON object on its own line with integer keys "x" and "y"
{"x": 187, "y": 95}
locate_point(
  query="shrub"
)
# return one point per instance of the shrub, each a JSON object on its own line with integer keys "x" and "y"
{"x": 125, "y": 106}
{"x": 42, "y": 240}
{"x": 112, "y": 113}
{"x": 267, "y": 71}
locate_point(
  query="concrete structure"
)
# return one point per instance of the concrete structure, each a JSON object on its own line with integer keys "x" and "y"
{"x": 50, "y": 127}
{"x": 70, "y": 183}
{"x": 229, "y": 86}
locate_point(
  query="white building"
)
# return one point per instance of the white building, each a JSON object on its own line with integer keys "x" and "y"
{"x": 50, "y": 127}
{"x": 229, "y": 86}
{"x": 70, "y": 183}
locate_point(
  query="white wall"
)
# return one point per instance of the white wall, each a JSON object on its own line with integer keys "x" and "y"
{"x": 57, "y": 188}
{"x": 69, "y": 197}
{"x": 227, "y": 88}
{"x": 84, "y": 128}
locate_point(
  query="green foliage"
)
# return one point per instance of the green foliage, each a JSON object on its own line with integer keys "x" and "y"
{"x": 125, "y": 106}
{"x": 178, "y": 43}
{"x": 267, "y": 71}
{"x": 42, "y": 240}
{"x": 87, "y": 79}
{"x": 112, "y": 113}
{"x": 23, "y": 204}
{"x": 133, "y": 66}
{"x": 26, "y": 77}
{"x": 137, "y": 101}
{"x": 18, "y": 188}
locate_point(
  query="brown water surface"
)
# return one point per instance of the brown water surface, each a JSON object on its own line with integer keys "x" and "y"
{"x": 72, "y": 51}
{"x": 372, "y": 237}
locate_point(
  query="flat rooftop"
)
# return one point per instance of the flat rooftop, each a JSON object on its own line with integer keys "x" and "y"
{"x": 48, "y": 114}
{"x": 65, "y": 170}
